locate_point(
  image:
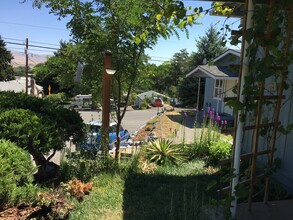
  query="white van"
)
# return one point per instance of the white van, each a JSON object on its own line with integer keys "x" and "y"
{"x": 82, "y": 101}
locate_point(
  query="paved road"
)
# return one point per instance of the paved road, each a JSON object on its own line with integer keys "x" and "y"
{"x": 132, "y": 121}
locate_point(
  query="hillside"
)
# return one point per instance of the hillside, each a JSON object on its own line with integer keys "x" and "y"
{"x": 33, "y": 59}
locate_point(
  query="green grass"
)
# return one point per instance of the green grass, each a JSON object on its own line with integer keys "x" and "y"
{"x": 104, "y": 202}
{"x": 170, "y": 193}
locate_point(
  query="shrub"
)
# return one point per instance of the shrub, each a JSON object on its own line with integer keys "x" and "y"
{"x": 16, "y": 174}
{"x": 57, "y": 98}
{"x": 84, "y": 166}
{"x": 197, "y": 150}
{"x": 162, "y": 152}
{"x": 219, "y": 150}
{"x": 144, "y": 105}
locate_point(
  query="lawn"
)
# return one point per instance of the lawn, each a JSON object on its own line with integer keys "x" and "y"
{"x": 169, "y": 193}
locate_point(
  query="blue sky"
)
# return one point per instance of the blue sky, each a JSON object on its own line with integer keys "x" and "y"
{"x": 20, "y": 21}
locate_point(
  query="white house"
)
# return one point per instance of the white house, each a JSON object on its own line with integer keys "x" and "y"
{"x": 149, "y": 94}
{"x": 220, "y": 79}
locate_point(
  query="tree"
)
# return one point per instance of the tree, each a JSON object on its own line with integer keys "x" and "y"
{"x": 38, "y": 125}
{"x": 179, "y": 67}
{"x": 126, "y": 28}
{"x": 6, "y": 70}
{"x": 59, "y": 70}
{"x": 209, "y": 47}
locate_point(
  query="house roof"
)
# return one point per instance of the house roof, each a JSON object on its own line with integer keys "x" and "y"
{"x": 150, "y": 94}
{"x": 13, "y": 85}
{"x": 227, "y": 52}
{"x": 16, "y": 85}
{"x": 216, "y": 72}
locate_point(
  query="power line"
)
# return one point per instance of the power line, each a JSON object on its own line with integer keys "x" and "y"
{"x": 29, "y": 25}
{"x": 21, "y": 50}
{"x": 23, "y": 44}
{"x": 37, "y": 42}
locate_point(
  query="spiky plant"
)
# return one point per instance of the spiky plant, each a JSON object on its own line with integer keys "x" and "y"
{"x": 162, "y": 151}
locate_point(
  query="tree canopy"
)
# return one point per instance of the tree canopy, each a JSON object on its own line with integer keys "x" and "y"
{"x": 37, "y": 125}
{"x": 6, "y": 70}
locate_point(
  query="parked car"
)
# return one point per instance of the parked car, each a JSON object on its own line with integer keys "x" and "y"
{"x": 94, "y": 141}
{"x": 157, "y": 102}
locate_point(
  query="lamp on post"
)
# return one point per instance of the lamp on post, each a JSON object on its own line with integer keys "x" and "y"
{"x": 106, "y": 100}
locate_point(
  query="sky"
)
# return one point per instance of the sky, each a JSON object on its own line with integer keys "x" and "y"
{"x": 19, "y": 21}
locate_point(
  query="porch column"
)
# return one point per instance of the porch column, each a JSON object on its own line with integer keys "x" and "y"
{"x": 198, "y": 91}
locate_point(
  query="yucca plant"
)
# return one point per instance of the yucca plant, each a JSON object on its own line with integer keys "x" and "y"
{"x": 162, "y": 151}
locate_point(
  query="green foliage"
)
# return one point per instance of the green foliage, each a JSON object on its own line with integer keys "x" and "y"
{"x": 6, "y": 70}
{"x": 84, "y": 166}
{"x": 162, "y": 152}
{"x": 207, "y": 133}
{"x": 20, "y": 70}
{"x": 208, "y": 47}
{"x": 30, "y": 132}
{"x": 219, "y": 150}
{"x": 144, "y": 105}
{"x": 16, "y": 174}
{"x": 56, "y": 99}
{"x": 66, "y": 122}
{"x": 187, "y": 91}
{"x": 37, "y": 125}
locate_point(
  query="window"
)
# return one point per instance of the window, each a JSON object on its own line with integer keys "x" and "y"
{"x": 218, "y": 89}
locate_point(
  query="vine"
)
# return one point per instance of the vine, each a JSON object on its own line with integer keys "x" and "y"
{"x": 267, "y": 68}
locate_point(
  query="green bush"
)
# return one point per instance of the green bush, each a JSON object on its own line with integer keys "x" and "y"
{"x": 84, "y": 166}
{"x": 197, "y": 150}
{"x": 16, "y": 174}
{"x": 144, "y": 105}
{"x": 219, "y": 150}
{"x": 57, "y": 98}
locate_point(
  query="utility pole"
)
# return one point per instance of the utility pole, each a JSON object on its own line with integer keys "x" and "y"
{"x": 26, "y": 66}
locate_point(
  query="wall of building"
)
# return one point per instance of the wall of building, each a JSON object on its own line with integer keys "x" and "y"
{"x": 228, "y": 92}
{"x": 284, "y": 143}
{"x": 209, "y": 95}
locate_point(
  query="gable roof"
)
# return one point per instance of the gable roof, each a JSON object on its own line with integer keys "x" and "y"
{"x": 216, "y": 71}
{"x": 227, "y": 52}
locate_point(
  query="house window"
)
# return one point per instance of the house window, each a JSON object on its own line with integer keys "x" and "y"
{"x": 218, "y": 89}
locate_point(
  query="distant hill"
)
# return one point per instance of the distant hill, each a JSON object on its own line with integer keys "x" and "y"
{"x": 33, "y": 59}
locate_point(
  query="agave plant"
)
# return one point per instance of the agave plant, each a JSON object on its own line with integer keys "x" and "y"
{"x": 161, "y": 151}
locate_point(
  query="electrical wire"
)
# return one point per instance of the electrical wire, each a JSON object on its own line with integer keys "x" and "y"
{"x": 30, "y": 45}
{"x": 35, "y": 26}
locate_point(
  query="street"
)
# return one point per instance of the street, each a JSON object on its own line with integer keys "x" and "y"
{"x": 132, "y": 121}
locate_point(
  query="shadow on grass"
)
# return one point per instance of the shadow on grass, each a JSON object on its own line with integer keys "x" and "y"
{"x": 164, "y": 197}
